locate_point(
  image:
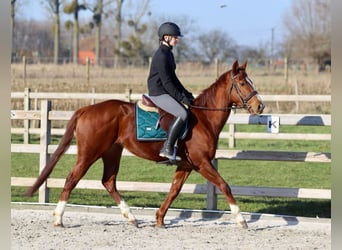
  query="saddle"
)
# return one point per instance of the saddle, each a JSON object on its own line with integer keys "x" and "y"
{"x": 153, "y": 122}
{"x": 165, "y": 118}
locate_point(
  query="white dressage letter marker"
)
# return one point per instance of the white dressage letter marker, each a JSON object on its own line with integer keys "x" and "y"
{"x": 273, "y": 124}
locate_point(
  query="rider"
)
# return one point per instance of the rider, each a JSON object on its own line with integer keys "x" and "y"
{"x": 165, "y": 89}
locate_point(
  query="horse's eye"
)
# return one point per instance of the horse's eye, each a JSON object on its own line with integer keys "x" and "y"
{"x": 242, "y": 83}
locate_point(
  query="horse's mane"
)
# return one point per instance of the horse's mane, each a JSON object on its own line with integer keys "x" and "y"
{"x": 207, "y": 96}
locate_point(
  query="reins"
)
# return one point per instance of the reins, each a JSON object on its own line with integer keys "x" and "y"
{"x": 216, "y": 109}
{"x": 233, "y": 107}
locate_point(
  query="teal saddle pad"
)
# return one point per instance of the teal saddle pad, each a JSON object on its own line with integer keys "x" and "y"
{"x": 148, "y": 128}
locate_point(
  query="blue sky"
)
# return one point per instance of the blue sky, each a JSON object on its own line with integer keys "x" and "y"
{"x": 248, "y": 22}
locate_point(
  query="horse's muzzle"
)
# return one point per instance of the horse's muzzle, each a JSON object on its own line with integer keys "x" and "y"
{"x": 256, "y": 108}
{"x": 261, "y": 107}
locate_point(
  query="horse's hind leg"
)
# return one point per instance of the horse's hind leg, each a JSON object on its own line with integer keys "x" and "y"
{"x": 79, "y": 170}
{"x": 111, "y": 163}
{"x": 210, "y": 173}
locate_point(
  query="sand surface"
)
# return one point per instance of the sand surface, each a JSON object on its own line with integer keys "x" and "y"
{"x": 105, "y": 228}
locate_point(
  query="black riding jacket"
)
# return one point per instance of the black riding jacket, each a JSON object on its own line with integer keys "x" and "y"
{"x": 162, "y": 78}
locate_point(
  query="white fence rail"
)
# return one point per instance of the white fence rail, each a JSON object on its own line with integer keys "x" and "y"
{"x": 46, "y": 115}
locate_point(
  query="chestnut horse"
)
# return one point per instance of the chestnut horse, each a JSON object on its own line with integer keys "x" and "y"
{"x": 104, "y": 129}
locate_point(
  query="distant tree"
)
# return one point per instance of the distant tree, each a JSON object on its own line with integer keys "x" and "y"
{"x": 15, "y": 7}
{"x": 12, "y": 25}
{"x": 133, "y": 47}
{"x": 73, "y": 8}
{"x": 53, "y": 6}
{"x": 308, "y": 29}
{"x": 254, "y": 55}
{"x": 97, "y": 18}
{"x": 118, "y": 30}
{"x": 216, "y": 44}
{"x": 100, "y": 11}
{"x": 34, "y": 39}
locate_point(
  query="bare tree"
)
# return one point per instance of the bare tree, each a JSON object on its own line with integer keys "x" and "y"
{"x": 133, "y": 47}
{"x": 15, "y": 7}
{"x": 53, "y": 6}
{"x": 34, "y": 39}
{"x": 73, "y": 8}
{"x": 118, "y": 31}
{"x": 308, "y": 29}
{"x": 98, "y": 22}
{"x": 12, "y": 24}
{"x": 100, "y": 11}
{"x": 216, "y": 44}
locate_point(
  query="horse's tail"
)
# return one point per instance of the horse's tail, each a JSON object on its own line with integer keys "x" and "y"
{"x": 61, "y": 149}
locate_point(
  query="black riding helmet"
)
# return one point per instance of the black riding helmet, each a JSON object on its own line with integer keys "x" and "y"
{"x": 170, "y": 29}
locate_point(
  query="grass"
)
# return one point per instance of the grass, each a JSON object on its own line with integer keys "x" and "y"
{"x": 236, "y": 172}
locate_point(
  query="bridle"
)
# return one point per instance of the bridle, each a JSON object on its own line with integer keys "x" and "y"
{"x": 244, "y": 100}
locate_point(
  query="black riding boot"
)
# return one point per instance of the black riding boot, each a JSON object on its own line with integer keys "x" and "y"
{"x": 168, "y": 148}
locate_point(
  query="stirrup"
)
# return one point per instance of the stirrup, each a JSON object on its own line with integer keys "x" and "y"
{"x": 171, "y": 157}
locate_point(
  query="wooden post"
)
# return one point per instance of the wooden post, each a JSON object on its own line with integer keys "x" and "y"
{"x": 88, "y": 69}
{"x": 27, "y": 107}
{"x": 93, "y": 91}
{"x": 45, "y": 139}
{"x": 24, "y": 63}
{"x": 211, "y": 191}
{"x": 231, "y": 138}
{"x": 128, "y": 94}
{"x": 296, "y": 93}
{"x": 217, "y": 67}
{"x": 286, "y": 69}
{"x": 34, "y": 123}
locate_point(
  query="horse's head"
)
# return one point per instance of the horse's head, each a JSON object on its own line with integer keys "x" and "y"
{"x": 242, "y": 90}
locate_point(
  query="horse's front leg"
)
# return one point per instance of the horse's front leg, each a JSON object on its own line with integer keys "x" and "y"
{"x": 179, "y": 179}
{"x": 208, "y": 171}
{"x": 111, "y": 163}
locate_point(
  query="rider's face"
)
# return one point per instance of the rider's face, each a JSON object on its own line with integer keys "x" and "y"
{"x": 172, "y": 40}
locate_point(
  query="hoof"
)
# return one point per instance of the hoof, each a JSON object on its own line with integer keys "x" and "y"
{"x": 243, "y": 224}
{"x": 58, "y": 224}
{"x": 160, "y": 226}
{"x": 133, "y": 223}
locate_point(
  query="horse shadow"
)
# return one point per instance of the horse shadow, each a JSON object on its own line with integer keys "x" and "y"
{"x": 285, "y": 213}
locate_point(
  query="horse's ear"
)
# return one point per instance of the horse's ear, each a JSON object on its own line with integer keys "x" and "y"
{"x": 244, "y": 66}
{"x": 235, "y": 67}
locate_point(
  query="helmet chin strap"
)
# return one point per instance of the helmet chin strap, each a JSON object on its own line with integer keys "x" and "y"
{"x": 167, "y": 41}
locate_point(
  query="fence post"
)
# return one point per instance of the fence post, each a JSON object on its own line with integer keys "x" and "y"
{"x": 92, "y": 100}
{"x": 88, "y": 69}
{"x": 211, "y": 191}
{"x": 128, "y": 94}
{"x": 286, "y": 69}
{"x": 34, "y": 123}
{"x": 217, "y": 70}
{"x": 296, "y": 93}
{"x": 45, "y": 138}
{"x": 231, "y": 134}
{"x": 27, "y": 107}
{"x": 24, "y": 64}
